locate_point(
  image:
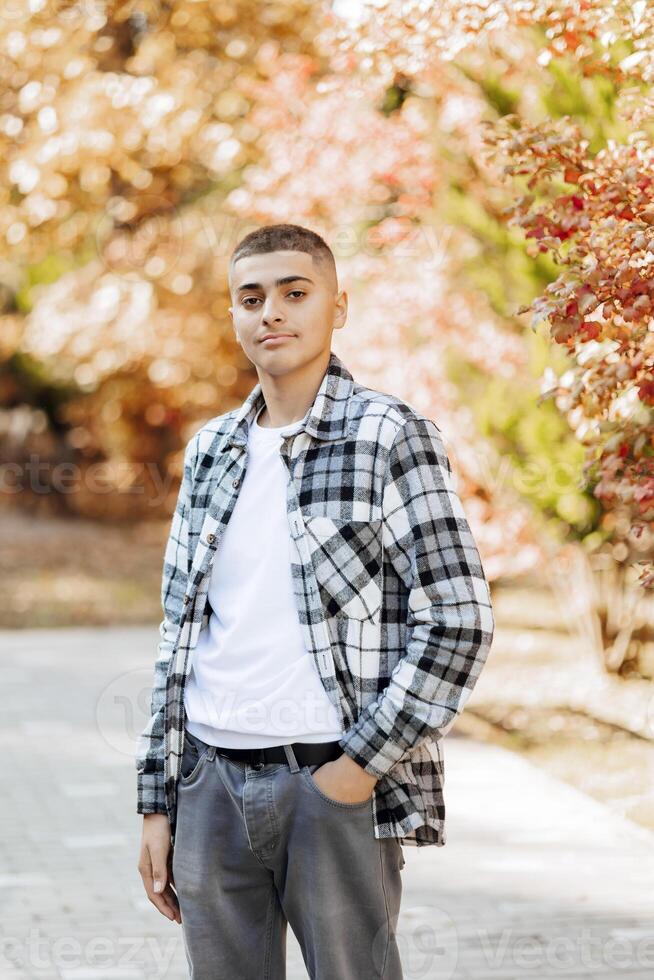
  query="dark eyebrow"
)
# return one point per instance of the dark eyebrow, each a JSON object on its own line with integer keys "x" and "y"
{"x": 278, "y": 282}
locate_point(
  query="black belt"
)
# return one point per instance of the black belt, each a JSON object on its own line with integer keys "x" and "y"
{"x": 306, "y": 753}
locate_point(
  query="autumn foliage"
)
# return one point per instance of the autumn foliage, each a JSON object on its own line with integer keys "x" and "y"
{"x": 481, "y": 171}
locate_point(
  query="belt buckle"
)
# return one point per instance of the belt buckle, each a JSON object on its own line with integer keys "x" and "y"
{"x": 257, "y": 760}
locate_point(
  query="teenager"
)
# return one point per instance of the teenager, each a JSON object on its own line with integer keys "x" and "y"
{"x": 326, "y": 616}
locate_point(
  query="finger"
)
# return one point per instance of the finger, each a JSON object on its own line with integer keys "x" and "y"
{"x": 171, "y": 892}
{"x": 163, "y": 899}
{"x": 165, "y": 906}
{"x": 173, "y": 904}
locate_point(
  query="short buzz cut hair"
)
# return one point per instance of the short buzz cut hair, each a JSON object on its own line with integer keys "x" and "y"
{"x": 296, "y": 238}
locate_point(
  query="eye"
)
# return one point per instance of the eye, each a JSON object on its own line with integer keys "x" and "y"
{"x": 300, "y": 291}
{"x": 245, "y": 300}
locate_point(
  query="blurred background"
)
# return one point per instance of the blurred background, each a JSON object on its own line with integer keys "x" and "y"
{"x": 483, "y": 175}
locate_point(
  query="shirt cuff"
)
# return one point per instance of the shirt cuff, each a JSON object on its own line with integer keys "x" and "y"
{"x": 151, "y": 794}
{"x": 370, "y": 745}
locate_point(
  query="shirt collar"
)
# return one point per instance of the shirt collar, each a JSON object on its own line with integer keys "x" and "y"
{"x": 327, "y": 418}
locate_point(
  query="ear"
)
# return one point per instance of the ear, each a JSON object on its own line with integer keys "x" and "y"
{"x": 340, "y": 310}
{"x": 238, "y": 339}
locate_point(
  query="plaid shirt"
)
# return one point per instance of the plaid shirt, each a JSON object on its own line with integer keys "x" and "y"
{"x": 391, "y": 596}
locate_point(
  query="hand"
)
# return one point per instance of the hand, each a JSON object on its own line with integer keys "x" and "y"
{"x": 155, "y": 865}
{"x": 344, "y": 780}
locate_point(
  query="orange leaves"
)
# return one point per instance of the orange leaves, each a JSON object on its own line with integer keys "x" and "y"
{"x": 571, "y": 175}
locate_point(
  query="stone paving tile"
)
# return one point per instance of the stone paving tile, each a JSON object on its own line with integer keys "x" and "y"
{"x": 536, "y": 880}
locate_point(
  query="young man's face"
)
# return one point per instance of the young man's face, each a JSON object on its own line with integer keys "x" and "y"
{"x": 304, "y": 308}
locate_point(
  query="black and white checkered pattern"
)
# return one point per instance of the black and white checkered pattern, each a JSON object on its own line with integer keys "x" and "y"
{"x": 391, "y": 595}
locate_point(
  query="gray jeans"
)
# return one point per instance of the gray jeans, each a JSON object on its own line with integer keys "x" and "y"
{"x": 256, "y": 849}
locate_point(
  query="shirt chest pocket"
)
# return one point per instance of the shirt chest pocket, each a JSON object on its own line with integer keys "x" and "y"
{"x": 347, "y": 559}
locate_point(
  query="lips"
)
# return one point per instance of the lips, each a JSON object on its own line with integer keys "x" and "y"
{"x": 276, "y": 336}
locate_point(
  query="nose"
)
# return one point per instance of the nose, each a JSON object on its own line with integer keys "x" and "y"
{"x": 270, "y": 313}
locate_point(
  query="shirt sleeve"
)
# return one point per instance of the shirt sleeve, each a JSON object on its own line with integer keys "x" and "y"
{"x": 149, "y": 756}
{"x": 450, "y": 619}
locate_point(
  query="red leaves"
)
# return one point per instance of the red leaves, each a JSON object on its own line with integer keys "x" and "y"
{"x": 646, "y": 392}
{"x": 589, "y": 330}
{"x": 606, "y": 273}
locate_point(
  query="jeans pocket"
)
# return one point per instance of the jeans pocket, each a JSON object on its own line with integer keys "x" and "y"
{"x": 307, "y": 772}
{"x": 192, "y": 758}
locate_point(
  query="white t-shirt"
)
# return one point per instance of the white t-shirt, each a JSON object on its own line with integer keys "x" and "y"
{"x": 252, "y": 682}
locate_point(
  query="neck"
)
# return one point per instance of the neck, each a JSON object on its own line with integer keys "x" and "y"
{"x": 288, "y": 397}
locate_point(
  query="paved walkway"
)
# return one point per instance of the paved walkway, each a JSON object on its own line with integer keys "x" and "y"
{"x": 536, "y": 879}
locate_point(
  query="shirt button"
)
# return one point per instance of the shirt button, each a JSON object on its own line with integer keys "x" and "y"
{"x": 186, "y": 599}
{"x": 236, "y": 482}
{"x": 211, "y": 538}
